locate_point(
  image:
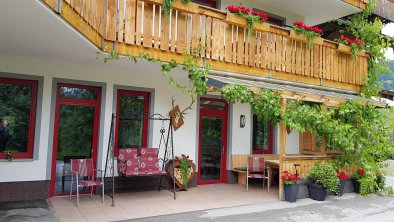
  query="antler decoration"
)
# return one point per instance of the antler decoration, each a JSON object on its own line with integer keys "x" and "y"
{"x": 187, "y": 108}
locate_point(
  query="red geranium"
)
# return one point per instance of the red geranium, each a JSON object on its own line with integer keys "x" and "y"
{"x": 341, "y": 175}
{"x": 289, "y": 179}
{"x": 301, "y": 25}
{"x": 262, "y": 15}
{"x": 360, "y": 172}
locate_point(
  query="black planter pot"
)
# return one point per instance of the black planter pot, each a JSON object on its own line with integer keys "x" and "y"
{"x": 341, "y": 187}
{"x": 356, "y": 186}
{"x": 316, "y": 191}
{"x": 291, "y": 192}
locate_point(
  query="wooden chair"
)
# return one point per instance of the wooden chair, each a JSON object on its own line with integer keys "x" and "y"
{"x": 256, "y": 169}
{"x": 83, "y": 168}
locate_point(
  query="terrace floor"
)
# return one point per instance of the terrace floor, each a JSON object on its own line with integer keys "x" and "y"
{"x": 152, "y": 203}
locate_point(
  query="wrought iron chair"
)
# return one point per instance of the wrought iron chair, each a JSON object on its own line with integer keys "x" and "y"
{"x": 257, "y": 169}
{"x": 83, "y": 168}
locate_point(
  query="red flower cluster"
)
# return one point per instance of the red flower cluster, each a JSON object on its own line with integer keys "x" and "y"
{"x": 289, "y": 178}
{"x": 341, "y": 175}
{"x": 182, "y": 156}
{"x": 301, "y": 25}
{"x": 262, "y": 15}
{"x": 350, "y": 41}
{"x": 238, "y": 9}
{"x": 360, "y": 172}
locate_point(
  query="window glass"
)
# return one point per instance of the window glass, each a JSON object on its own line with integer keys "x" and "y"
{"x": 15, "y": 115}
{"x": 261, "y": 136}
{"x": 77, "y": 93}
{"x": 132, "y": 119}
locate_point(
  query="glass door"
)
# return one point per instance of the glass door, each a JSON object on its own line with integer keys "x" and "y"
{"x": 75, "y": 136}
{"x": 212, "y": 141}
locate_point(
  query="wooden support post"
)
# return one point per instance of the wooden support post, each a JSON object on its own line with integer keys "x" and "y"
{"x": 282, "y": 148}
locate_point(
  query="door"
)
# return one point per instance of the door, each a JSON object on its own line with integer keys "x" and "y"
{"x": 212, "y": 141}
{"x": 75, "y": 132}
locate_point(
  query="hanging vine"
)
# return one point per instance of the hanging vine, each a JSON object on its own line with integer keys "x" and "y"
{"x": 167, "y": 6}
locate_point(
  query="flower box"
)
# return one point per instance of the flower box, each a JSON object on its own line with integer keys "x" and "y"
{"x": 262, "y": 26}
{"x": 344, "y": 48}
{"x": 301, "y": 37}
{"x": 236, "y": 19}
{"x": 189, "y": 7}
{"x": 361, "y": 53}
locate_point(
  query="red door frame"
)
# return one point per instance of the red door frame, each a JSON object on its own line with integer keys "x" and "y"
{"x": 144, "y": 142}
{"x": 74, "y": 102}
{"x": 224, "y": 115}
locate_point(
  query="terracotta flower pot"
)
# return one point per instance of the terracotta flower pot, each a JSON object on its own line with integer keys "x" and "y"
{"x": 178, "y": 172}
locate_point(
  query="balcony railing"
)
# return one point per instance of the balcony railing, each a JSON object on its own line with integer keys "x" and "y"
{"x": 135, "y": 26}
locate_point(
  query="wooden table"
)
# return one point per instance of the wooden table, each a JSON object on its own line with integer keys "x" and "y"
{"x": 272, "y": 164}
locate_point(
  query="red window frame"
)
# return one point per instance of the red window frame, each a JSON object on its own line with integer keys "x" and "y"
{"x": 32, "y": 119}
{"x": 144, "y": 142}
{"x": 271, "y": 140}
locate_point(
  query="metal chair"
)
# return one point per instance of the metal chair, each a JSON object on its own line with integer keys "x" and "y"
{"x": 256, "y": 169}
{"x": 83, "y": 168}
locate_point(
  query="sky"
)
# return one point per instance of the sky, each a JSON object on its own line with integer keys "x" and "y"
{"x": 389, "y": 30}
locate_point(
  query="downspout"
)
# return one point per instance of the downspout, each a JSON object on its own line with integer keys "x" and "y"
{"x": 278, "y": 81}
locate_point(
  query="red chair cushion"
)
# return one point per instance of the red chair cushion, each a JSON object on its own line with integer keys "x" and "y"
{"x": 149, "y": 152}
{"x": 259, "y": 176}
{"x": 127, "y": 154}
{"x": 89, "y": 183}
{"x": 149, "y": 164}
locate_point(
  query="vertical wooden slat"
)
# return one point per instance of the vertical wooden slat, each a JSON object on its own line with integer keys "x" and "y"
{"x": 121, "y": 21}
{"x": 264, "y": 50}
{"x": 335, "y": 65}
{"x": 247, "y": 42}
{"x": 203, "y": 34}
{"x": 229, "y": 43}
{"x": 308, "y": 61}
{"x": 298, "y": 57}
{"x": 196, "y": 31}
{"x": 138, "y": 19}
{"x": 181, "y": 33}
{"x": 156, "y": 27}
{"x": 240, "y": 42}
{"x": 148, "y": 22}
{"x": 110, "y": 32}
{"x": 188, "y": 33}
{"x": 208, "y": 31}
{"x": 222, "y": 40}
{"x": 252, "y": 49}
{"x": 130, "y": 21}
{"x": 165, "y": 33}
{"x": 278, "y": 53}
{"x": 258, "y": 50}
{"x": 173, "y": 27}
{"x": 328, "y": 63}
{"x": 215, "y": 38}
{"x": 288, "y": 53}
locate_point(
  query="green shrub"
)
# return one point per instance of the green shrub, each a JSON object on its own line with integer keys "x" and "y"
{"x": 324, "y": 174}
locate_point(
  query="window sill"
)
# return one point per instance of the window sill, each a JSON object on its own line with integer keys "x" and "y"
{"x": 18, "y": 160}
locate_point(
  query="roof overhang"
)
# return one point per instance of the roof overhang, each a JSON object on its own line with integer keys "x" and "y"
{"x": 332, "y": 99}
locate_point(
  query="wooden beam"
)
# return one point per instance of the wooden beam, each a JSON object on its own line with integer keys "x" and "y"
{"x": 282, "y": 147}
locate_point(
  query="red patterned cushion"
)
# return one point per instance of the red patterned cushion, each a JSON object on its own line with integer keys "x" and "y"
{"x": 131, "y": 167}
{"x": 127, "y": 154}
{"x": 259, "y": 176}
{"x": 89, "y": 183}
{"x": 149, "y": 164}
{"x": 149, "y": 152}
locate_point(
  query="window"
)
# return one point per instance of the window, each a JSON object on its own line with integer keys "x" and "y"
{"x": 262, "y": 136}
{"x": 18, "y": 100}
{"x": 132, "y": 122}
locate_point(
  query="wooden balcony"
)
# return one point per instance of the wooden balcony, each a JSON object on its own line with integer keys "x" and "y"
{"x": 139, "y": 26}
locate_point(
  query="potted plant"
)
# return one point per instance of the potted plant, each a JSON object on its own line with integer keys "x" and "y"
{"x": 10, "y": 155}
{"x": 356, "y": 180}
{"x": 291, "y": 186}
{"x": 184, "y": 170}
{"x": 241, "y": 15}
{"x": 308, "y": 34}
{"x": 322, "y": 178}
{"x": 350, "y": 46}
{"x": 342, "y": 178}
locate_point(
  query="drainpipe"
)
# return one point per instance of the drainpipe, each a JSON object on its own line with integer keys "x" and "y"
{"x": 282, "y": 82}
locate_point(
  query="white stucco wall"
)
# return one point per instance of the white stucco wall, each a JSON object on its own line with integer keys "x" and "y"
{"x": 241, "y": 137}
{"x": 293, "y": 142}
{"x": 290, "y": 17}
{"x": 139, "y": 75}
